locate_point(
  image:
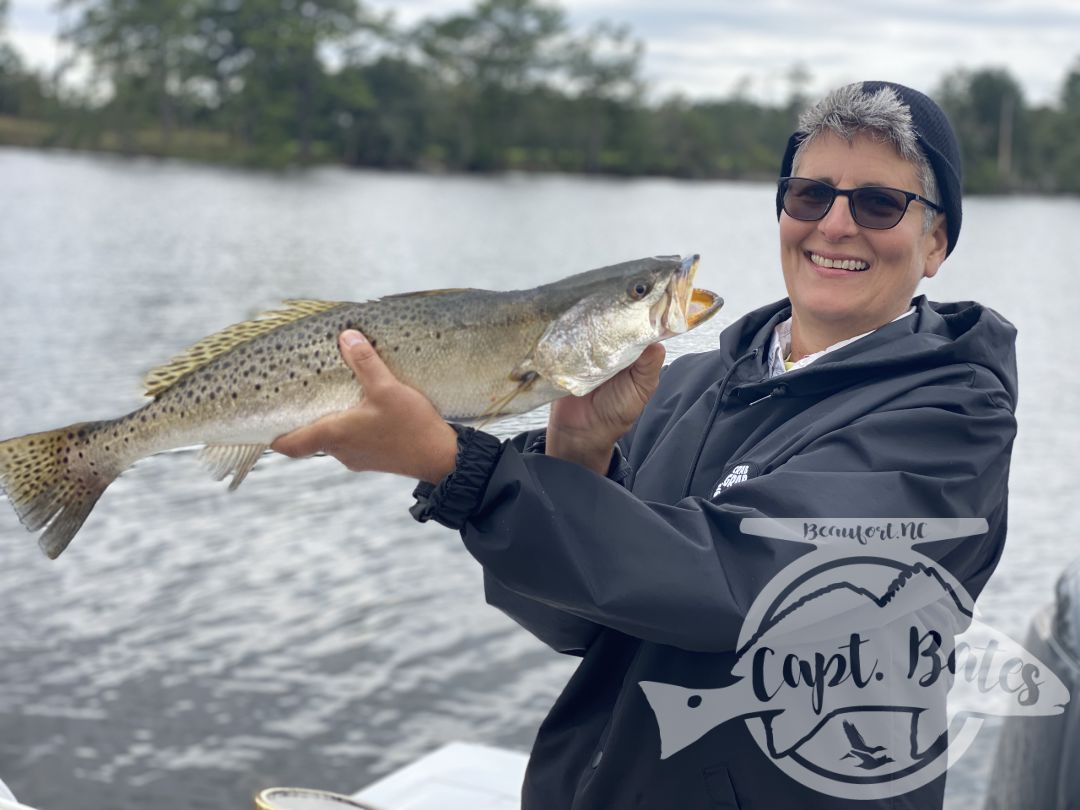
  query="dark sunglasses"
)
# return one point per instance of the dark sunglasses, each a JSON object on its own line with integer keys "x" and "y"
{"x": 877, "y": 207}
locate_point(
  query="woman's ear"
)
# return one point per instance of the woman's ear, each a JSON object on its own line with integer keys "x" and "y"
{"x": 937, "y": 245}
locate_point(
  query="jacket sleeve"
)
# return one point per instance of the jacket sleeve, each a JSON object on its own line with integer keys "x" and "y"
{"x": 683, "y": 574}
{"x": 563, "y": 631}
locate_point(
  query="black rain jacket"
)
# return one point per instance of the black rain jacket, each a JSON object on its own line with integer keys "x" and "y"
{"x": 646, "y": 575}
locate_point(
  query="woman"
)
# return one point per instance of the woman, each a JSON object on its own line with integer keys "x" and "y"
{"x": 616, "y": 534}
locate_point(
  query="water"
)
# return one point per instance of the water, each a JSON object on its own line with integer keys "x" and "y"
{"x": 194, "y": 645}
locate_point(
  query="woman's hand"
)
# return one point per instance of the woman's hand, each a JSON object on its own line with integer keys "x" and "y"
{"x": 585, "y": 429}
{"x": 393, "y": 429}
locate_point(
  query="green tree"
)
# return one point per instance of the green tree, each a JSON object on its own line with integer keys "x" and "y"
{"x": 384, "y": 112}
{"x": 1065, "y": 144}
{"x": 603, "y": 68}
{"x": 10, "y": 67}
{"x": 490, "y": 58}
{"x": 21, "y": 91}
{"x": 140, "y": 51}
{"x": 265, "y": 65}
{"x": 987, "y": 108}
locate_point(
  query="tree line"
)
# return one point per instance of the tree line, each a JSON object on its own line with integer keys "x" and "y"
{"x": 507, "y": 85}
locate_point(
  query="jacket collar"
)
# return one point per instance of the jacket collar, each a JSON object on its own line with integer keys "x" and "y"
{"x": 937, "y": 334}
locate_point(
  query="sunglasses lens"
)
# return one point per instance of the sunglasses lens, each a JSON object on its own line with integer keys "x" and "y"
{"x": 807, "y": 200}
{"x": 878, "y": 207}
{"x": 873, "y": 206}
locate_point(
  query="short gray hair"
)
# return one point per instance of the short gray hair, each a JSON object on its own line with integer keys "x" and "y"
{"x": 850, "y": 111}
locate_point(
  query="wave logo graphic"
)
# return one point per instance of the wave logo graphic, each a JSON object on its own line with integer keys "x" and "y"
{"x": 862, "y": 669}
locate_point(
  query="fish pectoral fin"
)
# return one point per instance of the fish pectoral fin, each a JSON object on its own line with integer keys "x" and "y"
{"x": 498, "y": 407}
{"x": 238, "y": 459}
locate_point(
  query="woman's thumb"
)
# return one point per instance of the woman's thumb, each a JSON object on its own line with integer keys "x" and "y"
{"x": 364, "y": 361}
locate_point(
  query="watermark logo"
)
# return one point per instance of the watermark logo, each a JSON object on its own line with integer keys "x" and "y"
{"x": 862, "y": 669}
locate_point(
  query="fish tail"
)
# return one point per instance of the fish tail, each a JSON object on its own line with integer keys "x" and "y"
{"x": 53, "y": 479}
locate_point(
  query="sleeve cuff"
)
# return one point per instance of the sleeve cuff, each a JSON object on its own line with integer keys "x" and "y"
{"x": 456, "y": 497}
{"x": 619, "y": 468}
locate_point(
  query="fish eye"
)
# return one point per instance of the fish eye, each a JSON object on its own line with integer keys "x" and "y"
{"x": 639, "y": 289}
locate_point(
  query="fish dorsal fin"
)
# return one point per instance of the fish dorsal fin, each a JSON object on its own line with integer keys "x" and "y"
{"x": 430, "y": 293}
{"x": 215, "y": 345}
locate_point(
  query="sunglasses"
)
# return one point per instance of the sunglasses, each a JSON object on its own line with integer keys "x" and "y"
{"x": 877, "y": 207}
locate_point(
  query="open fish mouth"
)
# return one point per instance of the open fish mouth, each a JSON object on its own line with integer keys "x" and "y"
{"x": 688, "y": 305}
{"x": 703, "y": 305}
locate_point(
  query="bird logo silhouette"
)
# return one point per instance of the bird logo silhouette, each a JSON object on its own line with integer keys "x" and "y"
{"x": 863, "y": 752}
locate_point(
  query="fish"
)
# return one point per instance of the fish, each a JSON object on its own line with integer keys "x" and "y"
{"x": 476, "y": 354}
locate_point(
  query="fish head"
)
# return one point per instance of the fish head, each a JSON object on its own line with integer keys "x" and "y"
{"x": 610, "y": 315}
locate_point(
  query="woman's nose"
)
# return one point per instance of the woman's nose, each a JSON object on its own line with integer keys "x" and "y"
{"x": 838, "y": 223}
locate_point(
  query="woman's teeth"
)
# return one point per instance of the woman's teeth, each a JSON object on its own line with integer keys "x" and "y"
{"x": 845, "y": 264}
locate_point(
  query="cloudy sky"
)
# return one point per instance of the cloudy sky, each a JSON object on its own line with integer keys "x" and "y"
{"x": 705, "y": 48}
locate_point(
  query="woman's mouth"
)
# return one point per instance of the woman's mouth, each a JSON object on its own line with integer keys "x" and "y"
{"x": 850, "y": 265}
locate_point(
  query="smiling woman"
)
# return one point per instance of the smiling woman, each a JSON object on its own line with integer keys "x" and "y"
{"x": 849, "y": 269}
{"x": 620, "y": 533}
{"x": 844, "y": 279}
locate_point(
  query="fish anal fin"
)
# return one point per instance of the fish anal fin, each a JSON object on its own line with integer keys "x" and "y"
{"x": 217, "y": 344}
{"x": 237, "y": 459}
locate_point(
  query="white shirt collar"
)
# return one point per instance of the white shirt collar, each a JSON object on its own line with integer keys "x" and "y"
{"x": 780, "y": 346}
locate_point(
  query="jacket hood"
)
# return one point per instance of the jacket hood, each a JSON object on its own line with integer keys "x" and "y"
{"x": 937, "y": 334}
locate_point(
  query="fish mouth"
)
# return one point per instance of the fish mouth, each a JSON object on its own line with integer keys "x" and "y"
{"x": 703, "y": 305}
{"x": 688, "y": 306}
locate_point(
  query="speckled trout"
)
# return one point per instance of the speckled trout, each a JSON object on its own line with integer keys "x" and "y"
{"x": 476, "y": 354}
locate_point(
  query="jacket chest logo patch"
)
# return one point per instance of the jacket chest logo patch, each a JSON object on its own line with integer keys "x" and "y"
{"x": 736, "y": 474}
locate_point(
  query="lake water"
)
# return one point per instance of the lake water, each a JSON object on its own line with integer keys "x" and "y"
{"x": 193, "y": 646}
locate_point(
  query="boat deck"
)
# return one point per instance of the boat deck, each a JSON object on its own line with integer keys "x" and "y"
{"x": 458, "y": 776}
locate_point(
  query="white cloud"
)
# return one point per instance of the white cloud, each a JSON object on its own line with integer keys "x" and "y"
{"x": 702, "y": 48}
{"x": 39, "y": 51}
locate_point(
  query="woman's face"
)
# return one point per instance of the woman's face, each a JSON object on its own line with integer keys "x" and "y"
{"x": 831, "y": 303}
